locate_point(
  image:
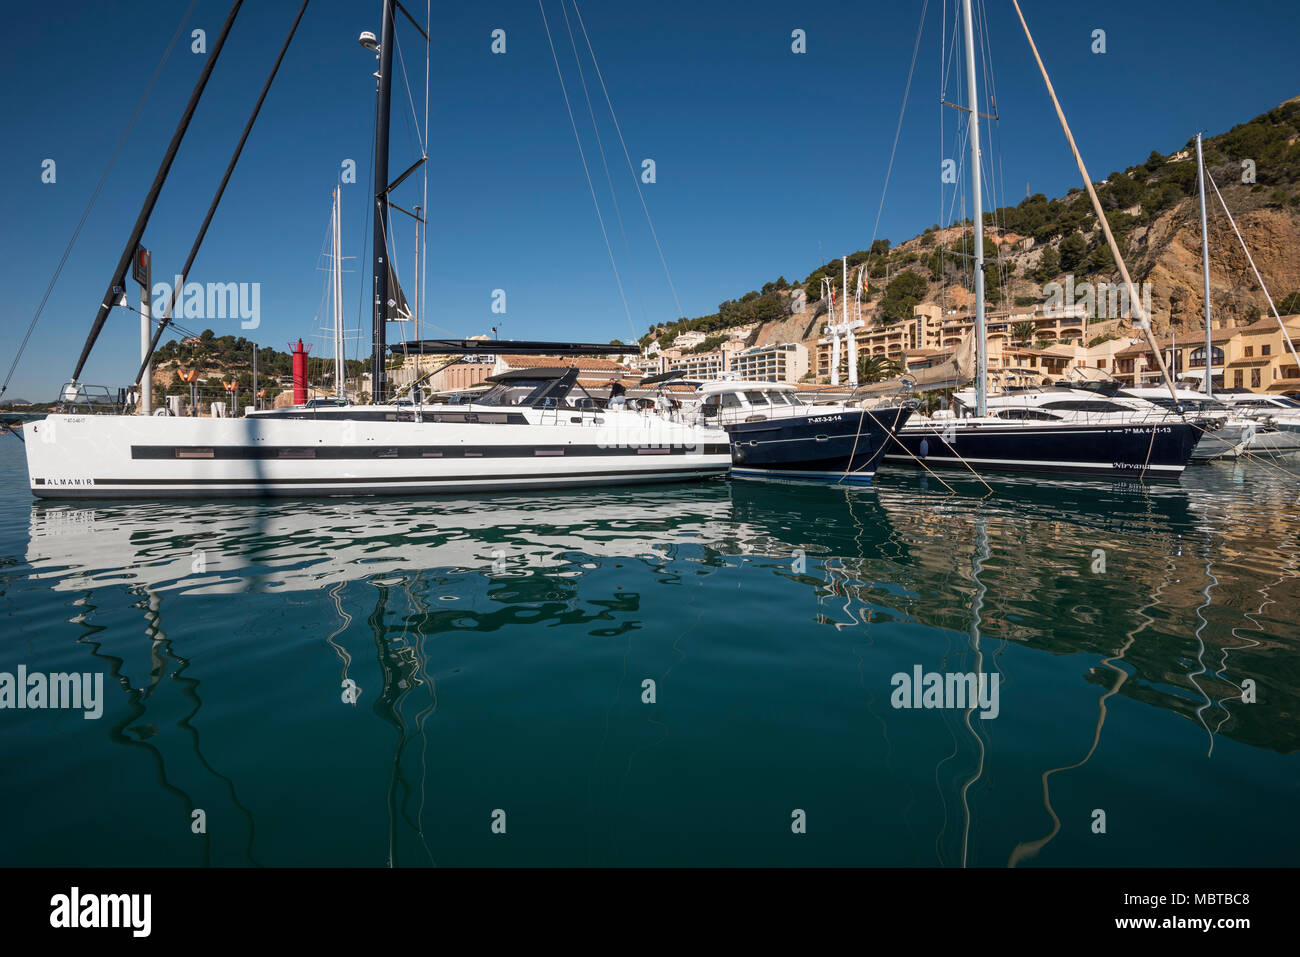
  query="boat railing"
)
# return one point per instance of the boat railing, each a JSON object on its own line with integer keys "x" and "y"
{"x": 77, "y": 398}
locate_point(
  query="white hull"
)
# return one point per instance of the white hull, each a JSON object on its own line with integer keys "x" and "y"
{"x": 351, "y": 453}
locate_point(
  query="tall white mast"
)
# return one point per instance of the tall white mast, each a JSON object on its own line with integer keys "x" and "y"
{"x": 337, "y": 276}
{"x": 850, "y": 329}
{"x": 415, "y": 309}
{"x": 834, "y": 329}
{"x": 1205, "y": 268}
{"x": 972, "y": 101}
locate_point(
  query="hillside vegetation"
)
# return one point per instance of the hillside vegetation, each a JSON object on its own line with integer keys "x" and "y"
{"x": 1151, "y": 208}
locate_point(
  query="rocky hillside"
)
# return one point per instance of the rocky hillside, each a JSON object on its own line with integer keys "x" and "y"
{"x": 1153, "y": 210}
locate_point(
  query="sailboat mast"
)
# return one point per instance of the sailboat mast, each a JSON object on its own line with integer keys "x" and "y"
{"x": 378, "y": 361}
{"x": 337, "y": 274}
{"x": 972, "y": 101}
{"x": 1205, "y": 269}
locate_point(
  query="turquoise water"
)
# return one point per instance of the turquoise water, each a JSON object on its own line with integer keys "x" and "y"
{"x": 498, "y": 647}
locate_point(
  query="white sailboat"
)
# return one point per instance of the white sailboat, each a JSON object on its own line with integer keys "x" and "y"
{"x": 530, "y": 430}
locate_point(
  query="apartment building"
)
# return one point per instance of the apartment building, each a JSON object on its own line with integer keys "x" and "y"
{"x": 786, "y": 362}
{"x": 1256, "y": 357}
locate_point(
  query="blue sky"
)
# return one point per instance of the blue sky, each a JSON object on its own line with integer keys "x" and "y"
{"x": 766, "y": 160}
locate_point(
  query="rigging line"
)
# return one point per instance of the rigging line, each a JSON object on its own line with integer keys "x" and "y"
{"x": 994, "y": 141}
{"x": 414, "y": 118}
{"x": 959, "y": 189}
{"x": 327, "y": 281}
{"x": 365, "y": 240}
{"x": 95, "y": 195}
{"x": 424, "y": 190}
{"x": 991, "y": 86}
{"x": 938, "y": 223}
{"x": 583, "y": 156}
{"x": 636, "y": 283}
{"x": 902, "y": 110}
{"x": 946, "y": 53}
{"x": 635, "y": 179}
{"x": 1286, "y": 336}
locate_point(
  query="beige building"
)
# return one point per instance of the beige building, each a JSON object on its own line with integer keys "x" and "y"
{"x": 931, "y": 328}
{"x": 689, "y": 340}
{"x": 1255, "y": 357}
{"x": 702, "y": 365}
{"x": 787, "y": 362}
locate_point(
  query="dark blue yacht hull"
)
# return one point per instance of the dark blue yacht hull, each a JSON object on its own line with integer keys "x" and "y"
{"x": 842, "y": 445}
{"x": 1155, "y": 451}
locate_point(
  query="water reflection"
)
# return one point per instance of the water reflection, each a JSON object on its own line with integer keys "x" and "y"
{"x": 1175, "y": 598}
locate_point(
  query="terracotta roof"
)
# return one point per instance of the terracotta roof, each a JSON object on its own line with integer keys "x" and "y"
{"x": 1216, "y": 336}
{"x": 1036, "y": 352}
{"x": 1268, "y": 323}
{"x": 604, "y": 383}
{"x": 586, "y": 364}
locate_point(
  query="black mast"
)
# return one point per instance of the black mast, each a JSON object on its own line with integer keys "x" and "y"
{"x": 119, "y": 276}
{"x": 378, "y": 362}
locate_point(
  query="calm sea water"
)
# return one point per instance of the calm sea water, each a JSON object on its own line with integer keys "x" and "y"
{"x": 499, "y": 650}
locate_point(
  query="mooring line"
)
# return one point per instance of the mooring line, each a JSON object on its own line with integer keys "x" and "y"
{"x": 960, "y": 459}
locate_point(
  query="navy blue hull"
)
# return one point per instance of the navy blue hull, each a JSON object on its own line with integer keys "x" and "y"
{"x": 841, "y": 445}
{"x": 1144, "y": 451}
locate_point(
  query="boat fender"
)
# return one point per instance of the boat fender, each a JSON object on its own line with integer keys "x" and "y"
{"x": 925, "y": 448}
{"x": 1248, "y": 433}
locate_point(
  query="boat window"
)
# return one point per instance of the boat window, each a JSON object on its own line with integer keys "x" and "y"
{"x": 756, "y": 398}
{"x": 499, "y": 394}
{"x": 779, "y": 398}
{"x": 525, "y": 392}
{"x": 1085, "y": 405}
{"x": 730, "y": 400}
{"x": 1284, "y": 401}
{"x": 1036, "y": 414}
